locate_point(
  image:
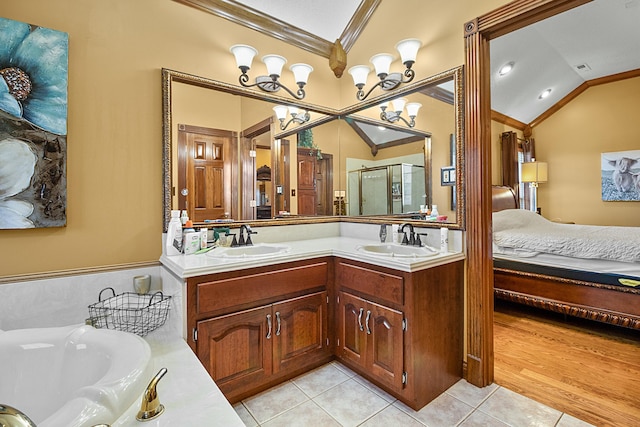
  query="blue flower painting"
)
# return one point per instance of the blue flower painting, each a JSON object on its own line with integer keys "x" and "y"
{"x": 33, "y": 125}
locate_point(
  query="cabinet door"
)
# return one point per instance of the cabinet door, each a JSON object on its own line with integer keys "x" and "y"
{"x": 236, "y": 349}
{"x": 351, "y": 335}
{"x": 300, "y": 331}
{"x": 385, "y": 352}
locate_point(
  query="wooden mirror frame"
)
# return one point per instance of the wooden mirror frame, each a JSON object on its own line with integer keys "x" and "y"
{"x": 456, "y": 74}
{"x": 477, "y": 35}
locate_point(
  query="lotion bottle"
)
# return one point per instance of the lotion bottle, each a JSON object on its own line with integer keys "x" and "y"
{"x": 174, "y": 235}
{"x": 444, "y": 240}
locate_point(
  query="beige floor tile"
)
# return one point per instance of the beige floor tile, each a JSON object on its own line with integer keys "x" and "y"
{"x": 470, "y": 394}
{"x": 518, "y": 410}
{"x": 343, "y": 368}
{"x": 391, "y": 416}
{"x": 374, "y": 388}
{"x": 307, "y": 414}
{"x": 568, "y": 421}
{"x": 443, "y": 411}
{"x": 244, "y": 415}
{"x": 350, "y": 403}
{"x": 320, "y": 380}
{"x": 480, "y": 419}
{"x": 274, "y": 401}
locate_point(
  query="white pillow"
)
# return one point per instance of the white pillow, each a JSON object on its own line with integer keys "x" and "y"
{"x": 515, "y": 218}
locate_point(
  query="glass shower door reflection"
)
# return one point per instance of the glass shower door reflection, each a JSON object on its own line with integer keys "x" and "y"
{"x": 374, "y": 192}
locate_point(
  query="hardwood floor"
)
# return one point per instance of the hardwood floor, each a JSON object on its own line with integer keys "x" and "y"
{"x": 586, "y": 369}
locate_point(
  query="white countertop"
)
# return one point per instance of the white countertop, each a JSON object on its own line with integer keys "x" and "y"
{"x": 189, "y": 395}
{"x": 185, "y": 266}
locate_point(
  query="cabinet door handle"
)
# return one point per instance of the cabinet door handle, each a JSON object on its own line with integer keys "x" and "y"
{"x": 278, "y": 323}
{"x": 360, "y": 319}
{"x": 367, "y": 322}
{"x": 268, "y": 326}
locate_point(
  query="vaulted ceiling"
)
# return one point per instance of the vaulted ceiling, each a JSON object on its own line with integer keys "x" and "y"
{"x": 562, "y": 53}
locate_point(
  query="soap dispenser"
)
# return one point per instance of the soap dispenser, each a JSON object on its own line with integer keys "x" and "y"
{"x": 173, "y": 244}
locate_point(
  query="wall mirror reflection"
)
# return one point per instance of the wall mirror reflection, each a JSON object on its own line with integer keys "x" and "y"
{"x": 230, "y": 157}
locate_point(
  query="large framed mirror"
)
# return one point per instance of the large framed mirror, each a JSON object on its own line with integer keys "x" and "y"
{"x": 233, "y": 133}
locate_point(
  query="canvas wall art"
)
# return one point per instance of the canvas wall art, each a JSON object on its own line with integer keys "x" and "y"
{"x": 33, "y": 125}
{"x": 621, "y": 176}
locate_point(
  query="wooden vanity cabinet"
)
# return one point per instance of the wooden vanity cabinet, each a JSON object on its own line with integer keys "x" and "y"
{"x": 402, "y": 331}
{"x": 255, "y": 328}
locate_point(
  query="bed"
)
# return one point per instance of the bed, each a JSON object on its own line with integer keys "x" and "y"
{"x": 591, "y": 272}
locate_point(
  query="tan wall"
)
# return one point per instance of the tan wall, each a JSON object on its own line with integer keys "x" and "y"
{"x": 598, "y": 121}
{"x": 116, "y": 51}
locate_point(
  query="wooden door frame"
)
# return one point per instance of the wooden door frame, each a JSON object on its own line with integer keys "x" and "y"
{"x": 477, "y": 133}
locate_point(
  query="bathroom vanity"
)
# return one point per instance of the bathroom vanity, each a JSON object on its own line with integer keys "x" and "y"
{"x": 256, "y": 322}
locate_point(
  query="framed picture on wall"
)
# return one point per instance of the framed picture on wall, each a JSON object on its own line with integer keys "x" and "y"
{"x": 620, "y": 173}
{"x": 33, "y": 126}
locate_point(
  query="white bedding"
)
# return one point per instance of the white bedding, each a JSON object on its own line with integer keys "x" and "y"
{"x": 524, "y": 233}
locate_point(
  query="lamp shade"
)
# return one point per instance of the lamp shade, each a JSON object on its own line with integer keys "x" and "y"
{"x": 301, "y": 72}
{"x": 398, "y": 104}
{"x": 359, "y": 74}
{"x": 244, "y": 55}
{"x": 534, "y": 172}
{"x": 408, "y": 49}
{"x": 281, "y": 111}
{"x": 412, "y": 108}
{"x": 274, "y": 64}
{"x": 382, "y": 63}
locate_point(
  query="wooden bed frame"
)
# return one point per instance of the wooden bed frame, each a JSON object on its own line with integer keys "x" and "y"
{"x": 616, "y": 305}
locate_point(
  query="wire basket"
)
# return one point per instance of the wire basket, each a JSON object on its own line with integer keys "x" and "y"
{"x": 130, "y": 312}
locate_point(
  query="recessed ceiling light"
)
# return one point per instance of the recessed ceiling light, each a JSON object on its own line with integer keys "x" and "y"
{"x": 381, "y": 128}
{"x": 544, "y": 94}
{"x": 506, "y": 68}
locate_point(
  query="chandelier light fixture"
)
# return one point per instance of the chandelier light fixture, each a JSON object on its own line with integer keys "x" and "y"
{"x": 297, "y": 116}
{"x": 408, "y": 50}
{"x": 270, "y": 83}
{"x": 395, "y": 114}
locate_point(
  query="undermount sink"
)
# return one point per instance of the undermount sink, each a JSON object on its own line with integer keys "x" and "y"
{"x": 255, "y": 251}
{"x": 401, "y": 251}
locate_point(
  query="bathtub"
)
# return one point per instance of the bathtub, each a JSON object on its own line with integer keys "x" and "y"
{"x": 73, "y": 376}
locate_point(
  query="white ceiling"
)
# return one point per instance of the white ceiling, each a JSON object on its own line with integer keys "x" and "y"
{"x": 604, "y": 34}
{"x": 326, "y": 19}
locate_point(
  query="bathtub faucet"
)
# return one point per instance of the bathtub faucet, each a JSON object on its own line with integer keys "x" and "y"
{"x": 11, "y": 417}
{"x": 151, "y": 406}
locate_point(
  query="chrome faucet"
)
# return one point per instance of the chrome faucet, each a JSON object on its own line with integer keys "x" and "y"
{"x": 242, "y": 241}
{"x": 151, "y": 406}
{"x": 11, "y": 417}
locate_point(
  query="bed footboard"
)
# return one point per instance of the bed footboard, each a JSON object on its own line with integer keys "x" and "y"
{"x": 615, "y": 305}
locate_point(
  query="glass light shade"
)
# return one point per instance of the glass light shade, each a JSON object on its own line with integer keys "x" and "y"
{"x": 412, "y": 108}
{"x": 293, "y": 110}
{"x": 281, "y": 111}
{"x": 408, "y": 49}
{"x": 359, "y": 74}
{"x": 398, "y": 105}
{"x": 301, "y": 72}
{"x": 274, "y": 64}
{"x": 534, "y": 172}
{"x": 244, "y": 54}
{"x": 384, "y": 105}
{"x": 382, "y": 63}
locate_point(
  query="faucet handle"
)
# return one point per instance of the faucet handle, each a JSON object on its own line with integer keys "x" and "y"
{"x": 418, "y": 241}
{"x": 151, "y": 406}
{"x": 383, "y": 233}
{"x": 405, "y": 241}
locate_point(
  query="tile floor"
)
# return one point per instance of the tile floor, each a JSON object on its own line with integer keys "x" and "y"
{"x": 333, "y": 396}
